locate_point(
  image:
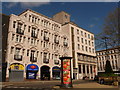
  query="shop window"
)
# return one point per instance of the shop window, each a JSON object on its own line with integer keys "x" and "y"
{"x": 87, "y": 69}
{"x": 79, "y": 68}
{"x": 83, "y": 68}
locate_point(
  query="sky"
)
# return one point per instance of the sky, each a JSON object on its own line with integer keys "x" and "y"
{"x": 88, "y": 15}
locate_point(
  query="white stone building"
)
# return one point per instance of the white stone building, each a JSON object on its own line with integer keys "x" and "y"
{"x": 113, "y": 56}
{"x": 36, "y": 39}
{"x": 83, "y": 52}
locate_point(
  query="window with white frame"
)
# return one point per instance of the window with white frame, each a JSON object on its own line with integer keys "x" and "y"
{"x": 17, "y": 51}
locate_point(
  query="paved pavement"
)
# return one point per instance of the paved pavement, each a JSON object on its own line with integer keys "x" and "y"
{"x": 51, "y": 85}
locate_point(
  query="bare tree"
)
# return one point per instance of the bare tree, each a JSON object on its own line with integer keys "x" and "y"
{"x": 110, "y": 31}
{"x": 110, "y": 35}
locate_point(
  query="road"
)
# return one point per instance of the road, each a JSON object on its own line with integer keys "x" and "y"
{"x": 37, "y": 85}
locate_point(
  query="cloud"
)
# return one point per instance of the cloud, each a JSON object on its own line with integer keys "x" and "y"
{"x": 91, "y": 25}
{"x": 33, "y": 4}
{"x": 26, "y": 4}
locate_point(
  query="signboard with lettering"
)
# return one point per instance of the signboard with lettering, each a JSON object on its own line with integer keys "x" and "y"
{"x": 31, "y": 75}
{"x": 31, "y": 71}
{"x": 32, "y": 67}
{"x": 16, "y": 66}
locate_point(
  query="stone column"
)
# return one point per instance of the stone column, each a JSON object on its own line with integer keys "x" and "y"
{"x": 93, "y": 71}
{"x": 50, "y": 73}
{"x": 89, "y": 72}
{"x": 96, "y": 69}
{"x": 81, "y": 68}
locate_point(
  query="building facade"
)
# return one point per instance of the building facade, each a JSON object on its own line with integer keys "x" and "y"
{"x": 113, "y": 55}
{"x": 36, "y": 39}
{"x": 35, "y": 43}
{"x": 83, "y": 52}
{"x": 81, "y": 45}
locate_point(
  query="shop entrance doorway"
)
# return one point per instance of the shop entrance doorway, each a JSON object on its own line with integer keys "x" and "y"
{"x": 56, "y": 72}
{"x": 16, "y": 72}
{"x": 31, "y": 71}
{"x": 45, "y": 73}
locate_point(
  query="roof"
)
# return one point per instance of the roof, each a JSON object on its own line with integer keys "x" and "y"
{"x": 60, "y": 12}
{"x": 109, "y": 49}
{"x": 38, "y": 14}
{"x": 54, "y": 20}
{"x": 77, "y": 26}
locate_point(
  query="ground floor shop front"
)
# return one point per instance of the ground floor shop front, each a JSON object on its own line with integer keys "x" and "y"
{"x": 19, "y": 72}
{"x": 87, "y": 71}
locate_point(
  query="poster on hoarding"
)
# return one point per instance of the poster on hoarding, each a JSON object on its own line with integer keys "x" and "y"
{"x": 66, "y": 71}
